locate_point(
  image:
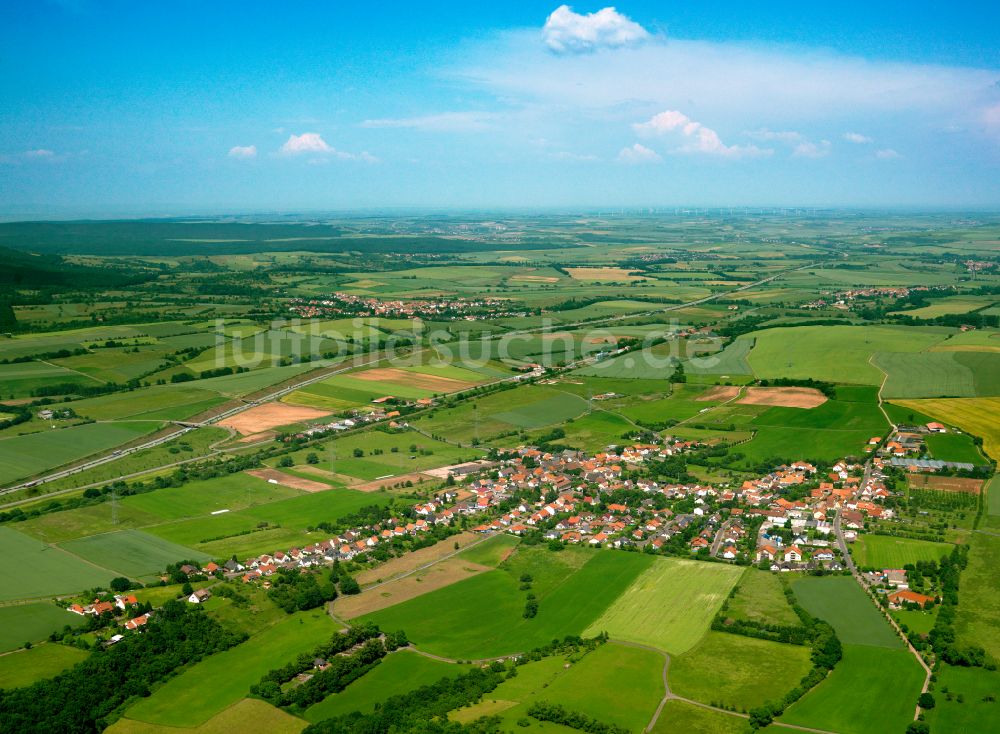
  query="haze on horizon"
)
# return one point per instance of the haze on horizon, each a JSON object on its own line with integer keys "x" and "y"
{"x": 127, "y": 109}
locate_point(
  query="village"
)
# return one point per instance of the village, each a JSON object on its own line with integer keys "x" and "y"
{"x": 796, "y": 518}
{"x": 446, "y": 309}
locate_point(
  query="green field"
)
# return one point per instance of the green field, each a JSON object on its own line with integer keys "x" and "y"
{"x": 841, "y": 602}
{"x": 481, "y": 616}
{"x": 18, "y": 380}
{"x": 182, "y": 700}
{"x": 247, "y": 716}
{"x": 490, "y": 552}
{"x": 670, "y": 606}
{"x": 678, "y": 717}
{"x": 835, "y": 353}
{"x": 975, "y": 416}
{"x": 978, "y": 619}
{"x": 34, "y": 453}
{"x": 760, "y": 597}
{"x": 962, "y": 701}
{"x": 872, "y": 690}
{"x": 884, "y": 551}
{"x": 957, "y": 447}
{"x": 193, "y": 499}
{"x": 615, "y": 684}
{"x": 131, "y": 553}
{"x": 20, "y": 623}
{"x": 754, "y": 671}
{"x": 730, "y": 361}
{"x": 292, "y": 515}
{"x": 24, "y": 667}
{"x": 35, "y": 569}
{"x": 398, "y": 673}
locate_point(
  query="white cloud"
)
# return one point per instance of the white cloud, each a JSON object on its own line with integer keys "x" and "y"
{"x": 991, "y": 116}
{"x": 319, "y": 150}
{"x": 701, "y": 139}
{"x": 444, "y": 122}
{"x": 781, "y": 136}
{"x": 566, "y": 155}
{"x": 887, "y": 154}
{"x": 40, "y": 154}
{"x": 569, "y": 32}
{"x": 808, "y": 149}
{"x": 243, "y": 151}
{"x": 789, "y": 88}
{"x": 305, "y": 143}
{"x": 856, "y": 138}
{"x": 638, "y": 153}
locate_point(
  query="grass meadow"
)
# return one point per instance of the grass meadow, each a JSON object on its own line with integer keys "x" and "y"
{"x": 884, "y": 551}
{"x": 962, "y": 701}
{"x": 978, "y": 620}
{"x": 209, "y": 687}
{"x": 21, "y": 623}
{"x": 24, "y": 667}
{"x": 615, "y": 684}
{"x": 872, "y": 690}
{"x": 398, "y": 673}
{"x": 841, "y": 602}
{"x": 957, "y": 447}
{"x": 754, "y": 672}
{"x": 760, "y": 597}
{"x": 670, "y": 606}
{"x": 247, "y": 716}
{"x": 678, "y": 717}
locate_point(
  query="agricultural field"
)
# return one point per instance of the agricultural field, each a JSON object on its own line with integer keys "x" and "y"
{"x": 885, "y": 551}
{"x": 32, "y": 622}
{"x": 24, "y": 667}
{"x": 975, "y": 416}
{"x": 481, "y": 616}
{"x": 669, "y": 606}
{"x": 131, "y": 553}
{"x": 19, "y": 380}
{"x": 40, "y": 570}
{"x": 835, "y": 353}
{"x": 25, "y": 456}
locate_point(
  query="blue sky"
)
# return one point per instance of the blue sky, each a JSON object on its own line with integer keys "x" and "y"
{"x": 126, "y": 108}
